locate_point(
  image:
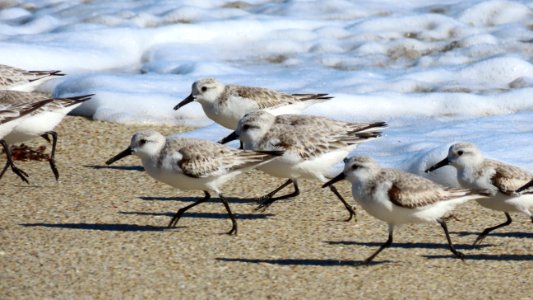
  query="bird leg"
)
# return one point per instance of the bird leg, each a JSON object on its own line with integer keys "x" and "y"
{"x": 180, "y": 212}
{"x": 266, "y": 200}
{"x": 232, "y": 217}
{"x": 450, "y": 245}
{"x": 387, "y": 244}
{"x": 485, "y": 232}
{"x": 11, "y": 164}
{"x": 52, "y": 161}
{"x": 350, "y": 209}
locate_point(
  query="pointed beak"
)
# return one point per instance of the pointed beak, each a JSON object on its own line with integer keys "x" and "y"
{"x": 184, "y": 102}
{"x": 339, "y": 177}
{"x": 438, "y": 165}
{"x": 231, "y": 137}
{"x": 119, "y": 156}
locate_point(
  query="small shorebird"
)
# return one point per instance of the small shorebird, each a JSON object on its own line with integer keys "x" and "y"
{"x": 192, "y": 164}
{"x": 311, "y": 146}
{"x": 226, "y": 104}
{"x": 21, "y": 80}
{"x": 40, "y": 122}
{"x": 492, "y": 178}
{"x": 10, "y": 116}
{"x": 397, "y": 197}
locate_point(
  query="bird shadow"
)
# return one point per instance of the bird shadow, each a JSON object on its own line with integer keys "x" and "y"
{"x": 123, "y": 168}
{"x": 199, "y": 215}
{"x": 494, "y": 257}
{"x": 194, "y": 199}
{"x": 514, "y": 234}
{"x": 99, "y": 226}
{"x": 304, "y": 262}
{"x": 410, "y": 245}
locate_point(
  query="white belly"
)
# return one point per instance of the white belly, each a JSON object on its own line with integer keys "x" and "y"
{"x": 184, "y": 182}
{"x": 501, "y": 202}
{"x": 34, "y": 126}
{"x": 291, "y": 166}
{"x": 381, "y": 208}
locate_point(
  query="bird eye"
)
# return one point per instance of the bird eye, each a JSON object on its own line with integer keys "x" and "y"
{"x": 355, "y": 167}
{"x": 142, "y": 142}
{"x": 245, "y": 127}
{"x": 460, "y": 152}
{"x": 204, "y": 88}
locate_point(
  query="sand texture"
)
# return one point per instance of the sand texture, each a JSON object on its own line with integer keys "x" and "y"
{"x": 100, "y": 233}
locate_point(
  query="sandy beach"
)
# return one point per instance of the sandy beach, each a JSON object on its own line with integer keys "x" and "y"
{"x": 100, "y": 233}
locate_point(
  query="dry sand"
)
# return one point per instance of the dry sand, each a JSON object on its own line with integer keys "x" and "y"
{"x": 100, "y": 233}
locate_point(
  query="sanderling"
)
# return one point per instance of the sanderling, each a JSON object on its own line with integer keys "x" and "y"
{"x": 21, "y": 80}
{"x": 42, "y": 121}
{"x": 492, "y": 178}
{"x": 397, "y": 197}
{"x": 192, "y": 164}
{"x": 310, "y": 149}
{"x": 10, "y": 116}
{"x": 226, "y": 104}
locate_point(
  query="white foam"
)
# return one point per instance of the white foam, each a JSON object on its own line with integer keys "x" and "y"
{"x": 437, "y": 71}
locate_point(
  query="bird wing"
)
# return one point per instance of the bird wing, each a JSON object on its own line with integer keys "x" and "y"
{"x": 508, "y": 178}
{"x": 310, "y": 141}
{"x": 411, "y": 191}
{"x": 204, "y": 159}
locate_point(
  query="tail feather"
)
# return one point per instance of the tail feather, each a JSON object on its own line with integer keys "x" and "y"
{"x": 42, "y": 74}
{"x": 305, "y": 97}
{"x": 375, "y": 125}
{"x": 76, "y": 99}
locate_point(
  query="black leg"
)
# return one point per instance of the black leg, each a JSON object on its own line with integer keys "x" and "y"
{"x": 52, "y": 161}
{"x": 10, "y": 162}
{"x": 180, "y": 212}
{"x": 485, "y": 232}
{"x": 350, "y": 209}
{"x": 233, "y": 220}
{"x": 450, "y": 245}
{"x": 387, "y": 244}
{"x": 6, "y": 166}
{"x": 266, "y": 200}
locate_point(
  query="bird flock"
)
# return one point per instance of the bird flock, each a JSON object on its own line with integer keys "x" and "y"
{"x": 277, "y": 140}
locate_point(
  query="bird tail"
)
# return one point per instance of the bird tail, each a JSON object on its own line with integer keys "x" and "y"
{"x": 306, "y": 97}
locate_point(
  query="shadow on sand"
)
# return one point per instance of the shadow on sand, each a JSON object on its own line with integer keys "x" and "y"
{"x": 410, "y": 245}
{"x": 515, "y": 234}
{"x": 494, "y": 257}
{"x": 123, "y": 168}
{"x": 103, "y": 227}
{"x": 199, "y": 215}
{"x": 303, "y": 262}
{"x": 194, "y": 199}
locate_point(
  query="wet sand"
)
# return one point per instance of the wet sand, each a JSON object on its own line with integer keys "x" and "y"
{"x": 100, "y": 233}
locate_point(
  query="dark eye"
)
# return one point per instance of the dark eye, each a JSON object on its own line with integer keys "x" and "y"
{"x": 245, "y": 127}
{"x": 204, "y": 88}
{"x": 355, "y": 167}
{"x": 460, "y": 152}
{"x": 142, "y": 142}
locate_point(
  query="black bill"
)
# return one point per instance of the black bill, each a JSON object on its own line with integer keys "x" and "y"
{"x": 231, "y": 137}
{"x": 339, "y": 177}
{"x": 184, "y": 102}
{"x": 438, "y": 165}
{"x": 119, "y": 156}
